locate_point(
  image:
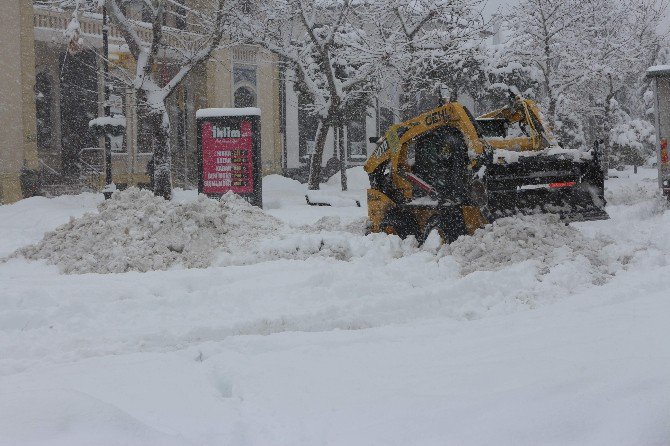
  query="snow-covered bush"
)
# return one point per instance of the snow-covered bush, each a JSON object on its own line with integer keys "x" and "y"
{"x": 632, "y": 142}
{"x": 569, "y": 130}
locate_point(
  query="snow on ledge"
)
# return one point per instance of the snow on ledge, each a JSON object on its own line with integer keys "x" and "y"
{"x": 659, "y": 70}
{"x": 217, "y": 112}
{"x": 116, "y": 120}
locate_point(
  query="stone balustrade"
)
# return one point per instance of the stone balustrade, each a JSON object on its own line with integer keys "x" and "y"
{"x": 54, "y": 22}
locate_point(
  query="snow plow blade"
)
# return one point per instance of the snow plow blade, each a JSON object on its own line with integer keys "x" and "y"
{"x": 573, "y": 190}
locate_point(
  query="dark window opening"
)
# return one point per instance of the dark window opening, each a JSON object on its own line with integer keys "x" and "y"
{"x": 180, "y": 15}
{"x": 44, "y": 103}
{"x": 245, "y": 97}
{"x": 356, "y": 139}
{"x": 308, "y": 124}
{"x": 244, "y": 74}
{"x": 78, "y": 105}
{"x": 440, "y": 159}
{"x": 246, "y": 7}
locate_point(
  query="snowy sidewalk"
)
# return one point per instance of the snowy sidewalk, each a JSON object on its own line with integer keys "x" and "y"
{"x": 392, "y": 346}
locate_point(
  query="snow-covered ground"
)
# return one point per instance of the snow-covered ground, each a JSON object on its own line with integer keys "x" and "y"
{"x": 558, "y": 337}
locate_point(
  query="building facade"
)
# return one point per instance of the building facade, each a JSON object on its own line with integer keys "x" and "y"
{"x": 18, "y": 130}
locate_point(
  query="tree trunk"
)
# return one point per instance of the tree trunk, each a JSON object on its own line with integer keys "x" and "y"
{"x": 160, "y": 130}
{"x": 552, "y": 111}
{"x": 317, "y": 158}
{"x": 453, "y": 94}
{"x": 605, "y": 126}
{"x": 343, "y": 158}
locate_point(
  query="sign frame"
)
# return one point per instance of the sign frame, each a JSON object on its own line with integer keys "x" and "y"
{"x": 232, "y": 118}
{"x": 660, "y": 75}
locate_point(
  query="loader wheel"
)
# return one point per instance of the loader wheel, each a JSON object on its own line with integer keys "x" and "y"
{"x": 449, "y": 225}
{"x": 401, "y": 224}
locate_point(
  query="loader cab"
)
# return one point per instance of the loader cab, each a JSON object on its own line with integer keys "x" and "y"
{"x": 493, "y": 127}
{"x": 439, "y": 158}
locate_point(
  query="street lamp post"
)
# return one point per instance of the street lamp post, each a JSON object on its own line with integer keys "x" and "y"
{"x": 109, "y": 185}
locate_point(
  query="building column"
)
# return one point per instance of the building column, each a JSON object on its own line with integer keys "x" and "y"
{"x": 219, "y": 80}
{"x": 18, "y": 135}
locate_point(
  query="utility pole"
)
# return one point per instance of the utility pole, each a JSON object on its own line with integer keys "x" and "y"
{"x": 109, "y": 184}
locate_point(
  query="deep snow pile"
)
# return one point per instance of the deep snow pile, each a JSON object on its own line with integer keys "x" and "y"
{"x": 543, "y": 238}
{"x": 375, "y": 248}
{"x": 646, "y": 189}
{"x": 136, "y": 231}
{"x": 335, "y": 223}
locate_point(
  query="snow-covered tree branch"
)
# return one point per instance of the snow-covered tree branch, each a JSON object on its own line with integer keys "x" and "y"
{"x": 332, "y": 49}
{"x": 187, "y": 49}
{"x": 589, "y": 57}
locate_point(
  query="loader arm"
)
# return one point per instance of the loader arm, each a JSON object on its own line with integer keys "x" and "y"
{"x": 526, "y": 113}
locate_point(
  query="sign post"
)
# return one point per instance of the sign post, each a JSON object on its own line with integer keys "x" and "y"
{"x": 229, "y": 152}
{"x": 661, "y": 78}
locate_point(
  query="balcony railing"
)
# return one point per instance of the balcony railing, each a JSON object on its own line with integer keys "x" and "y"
{"x": 56, "y": 21}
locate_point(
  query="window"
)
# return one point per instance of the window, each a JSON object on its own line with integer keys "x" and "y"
{"x": 440, "y": 158}
{"x": 116, "y": 109}
{"x": 78, "y": 105}
{"x": 246, "y": 6}
{"x": 307, "y": 126}
{"x": 245, "y": 97}
{"x": 356, "y": 145}
{"x": 180, "y": 15}
{"x": 244, "y": 75}
{"x": 244, "y": 84}
{"x": 44, "y": 103}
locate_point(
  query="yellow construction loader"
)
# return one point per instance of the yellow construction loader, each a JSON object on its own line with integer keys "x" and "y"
{"x": 448, "y": 171}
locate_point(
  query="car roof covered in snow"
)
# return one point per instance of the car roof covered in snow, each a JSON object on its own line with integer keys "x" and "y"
{"x": 216, "y": 112}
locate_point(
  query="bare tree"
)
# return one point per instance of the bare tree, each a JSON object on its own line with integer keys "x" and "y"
{"x": 620, "y": 43}
{"x": 436, "y": 45}
{"x": 186, "y": 49}
{"x": 544, "y": 38}
{"x": 153, "y": 92}
{"x": 589, "y": 56}
{"x": 336, "y": 59}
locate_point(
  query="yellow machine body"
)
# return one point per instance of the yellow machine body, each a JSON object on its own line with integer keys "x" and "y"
{"x": 418, "y": 210}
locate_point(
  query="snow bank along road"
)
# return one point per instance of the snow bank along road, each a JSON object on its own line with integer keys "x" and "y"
{"x": 529, "y": 333}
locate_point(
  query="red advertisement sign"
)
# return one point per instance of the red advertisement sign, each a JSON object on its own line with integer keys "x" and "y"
{"x": 227, "y": 158}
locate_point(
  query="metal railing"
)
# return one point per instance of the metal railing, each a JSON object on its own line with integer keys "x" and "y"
{"x": 57, "y": 20}
{"x": 89, "y": 170}
{"x": 48, "y": 168}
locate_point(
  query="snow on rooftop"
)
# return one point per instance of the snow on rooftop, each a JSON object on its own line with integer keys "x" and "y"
{"x": 217, "y": 112}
